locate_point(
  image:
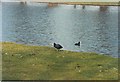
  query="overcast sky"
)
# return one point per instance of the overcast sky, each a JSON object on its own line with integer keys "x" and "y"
{"x": 66, "y": 0}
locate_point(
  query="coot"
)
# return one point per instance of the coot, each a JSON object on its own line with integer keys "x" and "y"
{"x": 77, "y": 44}
{"x": 57, "y": 46}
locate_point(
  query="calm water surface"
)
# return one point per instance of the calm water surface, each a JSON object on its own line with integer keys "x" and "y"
{"x": 38, "y": 24}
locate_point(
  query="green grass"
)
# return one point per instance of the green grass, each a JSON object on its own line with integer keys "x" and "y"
{"x": 23, "y": 62}
{"x": 86, "y": 3}
{"x": 95, "y": 3}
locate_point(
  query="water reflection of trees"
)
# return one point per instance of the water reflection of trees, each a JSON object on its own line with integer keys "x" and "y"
{"x": 103, "y": 8}
{"x": 104, "y": 31}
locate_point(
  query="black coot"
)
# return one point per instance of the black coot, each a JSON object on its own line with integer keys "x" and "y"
{"x": 77, "y": 44}
{"x": 58, "y": 46}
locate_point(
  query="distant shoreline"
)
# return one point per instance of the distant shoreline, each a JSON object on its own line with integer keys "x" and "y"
{"x": 80, "y": 3}
{"x": 86, "y": 3}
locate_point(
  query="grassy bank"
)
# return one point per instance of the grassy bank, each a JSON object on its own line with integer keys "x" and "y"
{"x": 86, "y": 3}
{"x": 96, "y": 3}
{"x": 21, "y": 62}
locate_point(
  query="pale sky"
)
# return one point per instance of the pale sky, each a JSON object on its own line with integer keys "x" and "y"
{"x": 65, "y": 0}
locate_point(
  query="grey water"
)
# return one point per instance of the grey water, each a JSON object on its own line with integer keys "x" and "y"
{"x": 39, "y": 24}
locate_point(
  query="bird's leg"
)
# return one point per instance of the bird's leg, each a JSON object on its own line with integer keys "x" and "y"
{"x": 57, "y": 49}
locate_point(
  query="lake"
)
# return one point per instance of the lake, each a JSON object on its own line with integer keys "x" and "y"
{"x": 38, "y": 24}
